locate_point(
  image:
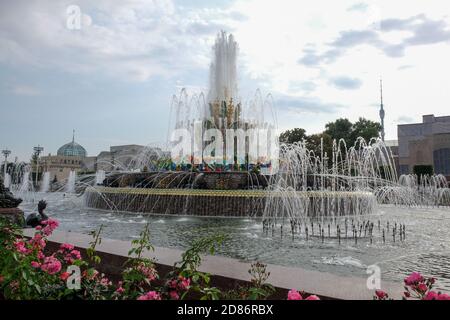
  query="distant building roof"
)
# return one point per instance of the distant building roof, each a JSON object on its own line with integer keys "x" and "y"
{"x": 391, "y": 143}
{"x": 72, "y": 149}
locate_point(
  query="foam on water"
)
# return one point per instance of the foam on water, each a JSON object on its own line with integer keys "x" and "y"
{"x": 342, "y": 261}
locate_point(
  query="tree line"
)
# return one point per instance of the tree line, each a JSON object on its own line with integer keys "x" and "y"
{"x": 339, "y": 129}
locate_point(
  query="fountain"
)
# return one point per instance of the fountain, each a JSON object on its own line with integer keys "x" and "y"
{"x": 100, "y": 177}
{"x": 232, "y": 180}
{"x": 296, "y": 186}
{"x": 7, "y": 180}
{"x": 239, "y": 126}
{"x": 70, "y": 186}
{"x": 45, "y": 184}
{"x": 27, "y": 184}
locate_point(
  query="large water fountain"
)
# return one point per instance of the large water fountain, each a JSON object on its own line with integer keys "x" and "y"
{"x": 350, "y": 200}
{"x": 298, "y": 185}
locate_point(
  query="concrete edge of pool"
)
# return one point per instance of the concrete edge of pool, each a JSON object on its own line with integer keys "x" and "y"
{"x": 228, "y": 269}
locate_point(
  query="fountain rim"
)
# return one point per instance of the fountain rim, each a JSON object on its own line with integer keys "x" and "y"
{"x": 228, "y": 193}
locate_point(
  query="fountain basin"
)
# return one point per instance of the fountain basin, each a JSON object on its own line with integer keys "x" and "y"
{"x": 223, "y": 203}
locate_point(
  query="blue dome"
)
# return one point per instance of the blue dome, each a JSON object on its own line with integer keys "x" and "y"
{"x": 72, "y": 149}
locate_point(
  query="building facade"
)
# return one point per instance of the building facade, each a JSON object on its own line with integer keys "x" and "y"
{"x": 426, "y": 143}
{"x": 69, "y": 157}
{"x": 119, "y": 157}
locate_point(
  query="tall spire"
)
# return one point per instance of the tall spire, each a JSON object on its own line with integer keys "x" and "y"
{"x": 73, "y": 135}
{"x": 382, "y": 110}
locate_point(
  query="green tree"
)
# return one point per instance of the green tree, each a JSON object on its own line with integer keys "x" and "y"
{"x": 313, "y": 142}
{"x": 340, "y": 129}
{"x": 365, "y": 128}
{"x": 292, "y": 136}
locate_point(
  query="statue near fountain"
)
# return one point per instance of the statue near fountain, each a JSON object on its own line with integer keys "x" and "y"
{"x": 9, "y": 204}
{"x": 34, "y": 219}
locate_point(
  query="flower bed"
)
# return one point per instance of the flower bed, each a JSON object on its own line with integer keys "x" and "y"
{"x": 35, "y": 269}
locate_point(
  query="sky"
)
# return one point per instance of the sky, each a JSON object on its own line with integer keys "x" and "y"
{"x": 111, "y": 77}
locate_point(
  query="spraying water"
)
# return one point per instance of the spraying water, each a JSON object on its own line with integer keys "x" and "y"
{"x": 222, "y": 110}
{"x": 223, "y": 70}
{"x": 70, "y": 187}
{"x": 26, "y": 183}
{"x": 99, "y": 177}
{"x": 7, "y": 180}
{"x": 45, "y": 186}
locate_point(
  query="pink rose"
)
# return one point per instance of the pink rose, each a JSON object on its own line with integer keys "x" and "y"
{"x": 414, "y": 278}
{"x": 50, "y": 226}
{"x": 40, "y": 255}
{"x": 148, "y": 272}
{"x": 120, "y": 290}
{"x": 105, "y": 282}
{"x": 51, "y": 265}
{"x": 71, "y": 256}
{"x": 294, "y": 295}
{"x": 381, "y": 294}
{"x": 174, "y": 295}
{"x": 66, "y": 247}
{"x": 64, "y": 276}
{"x": 38, "y": 242}
{"x": 443, "y": 296}
{"x": 20, "y": 247}
{"x": 422, "y": 287}
{"x": 431, "y": 295}
{"x": 184, "y": 283}
{"x": 35, "y": 264}
{"x": 173, "y": 284}
{"x": 313, "y": 297}
{"x": 151, "y": 295}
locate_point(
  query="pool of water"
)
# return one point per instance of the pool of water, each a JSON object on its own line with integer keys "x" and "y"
{"x": 426, "y": 248}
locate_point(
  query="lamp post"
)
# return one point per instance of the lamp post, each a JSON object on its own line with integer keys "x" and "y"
{"x": 37, "y": 152}
{"x": 6, "y": 153}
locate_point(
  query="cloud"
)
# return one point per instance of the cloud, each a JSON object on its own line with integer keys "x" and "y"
{"x": 135, "y": 40}
{"x": 405, "y": 67}
{"x": 312, "y": 58}
{"x": 25, "y": 90}
{"x": 351, "y": 38}
{"x": 346, "y": 83}
{"x": 361, "y": 7}
{"x": 420, "y": 30}
{"x": 305, "y": 104}
{"x": 305, "y": 86}
{"x": 405, "y": 119}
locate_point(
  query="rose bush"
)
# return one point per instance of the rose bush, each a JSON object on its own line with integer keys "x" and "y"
{"x": 416, "y": 287}
{"x": 30, "y": 271}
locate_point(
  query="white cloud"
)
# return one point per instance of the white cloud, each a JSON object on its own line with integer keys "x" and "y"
{"x": 132, "y": 39}
{"x": 25, "y": 90}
